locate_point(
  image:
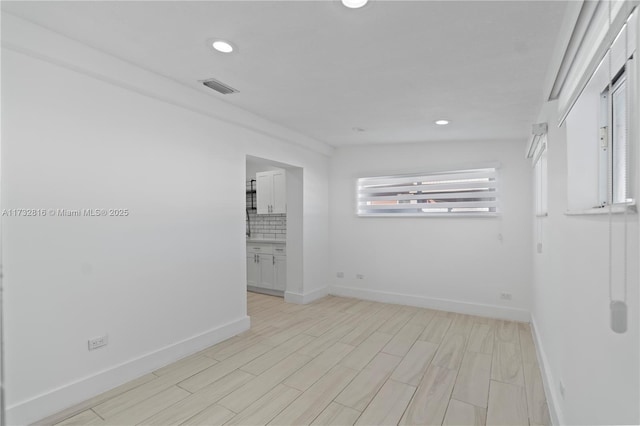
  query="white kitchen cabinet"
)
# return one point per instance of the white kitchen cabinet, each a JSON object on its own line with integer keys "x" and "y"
{"x": 271, "y": 192}
{"x": 267, "y": 270}
{"x": 266, "y": 267}
{"x": 280, "y": 269}
{"x": 253, "y": 270}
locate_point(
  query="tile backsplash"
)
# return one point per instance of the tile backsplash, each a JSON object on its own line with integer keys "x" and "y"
{"x": 268, "y": 226}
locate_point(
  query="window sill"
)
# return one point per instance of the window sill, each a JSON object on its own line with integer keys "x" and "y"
{"x": 451, "y": 215}
{"x": 617, "y": 209}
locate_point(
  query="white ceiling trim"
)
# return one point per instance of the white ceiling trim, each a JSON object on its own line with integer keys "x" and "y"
{"x": 318, "y": 69}
{"x": 33, "y": 40}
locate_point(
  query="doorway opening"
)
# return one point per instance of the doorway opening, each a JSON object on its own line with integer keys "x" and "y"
{"x": 273, "y": 227}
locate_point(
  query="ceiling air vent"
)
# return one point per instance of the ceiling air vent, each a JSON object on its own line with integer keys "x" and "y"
{"x": 218, "y": 86}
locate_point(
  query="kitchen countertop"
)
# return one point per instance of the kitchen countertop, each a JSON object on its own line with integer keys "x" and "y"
{"x": 266, "y": 240}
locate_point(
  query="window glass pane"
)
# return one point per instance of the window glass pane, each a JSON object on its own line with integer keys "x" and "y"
{"x": 619, "y": 143}
{"x": 455, "y": 192}
{"x": 543, "y": 183}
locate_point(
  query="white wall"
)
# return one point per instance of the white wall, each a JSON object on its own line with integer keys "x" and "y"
{"x": 459, "y": 264}
{"x": 81, "y": 130}
{"x": 570, "y": 311}
{"x": 570, "y": 306}
{"x": 256, "y": 167}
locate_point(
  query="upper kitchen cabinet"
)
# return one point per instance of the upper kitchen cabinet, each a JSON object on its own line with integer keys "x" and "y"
{"x": 271, "y": 192}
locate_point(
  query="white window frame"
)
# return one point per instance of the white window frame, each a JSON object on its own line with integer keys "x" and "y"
{"x": 540, "y": 179}
{"x": 591, "y": 173}
{"x": 613, "y": 175}
{"x": 452, "y": 193}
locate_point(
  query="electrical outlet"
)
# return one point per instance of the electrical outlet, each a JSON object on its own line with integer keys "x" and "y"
{"x": 562, "y": 389}
{"x": 539, "y": 247}
{"x": 505, "y": 296}
{"x": 98, "y": 342}
{"x": 340, "y": 274}
{"x": 360, "y": 276}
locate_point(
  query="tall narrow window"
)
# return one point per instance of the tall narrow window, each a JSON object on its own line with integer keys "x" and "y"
{"x": 452, "y": 193}
{"x": 540, "y": 178}
{"x": 613, "y": 142}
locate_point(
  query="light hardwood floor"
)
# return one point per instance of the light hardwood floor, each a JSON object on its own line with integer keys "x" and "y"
{"x": 340, "y": 361}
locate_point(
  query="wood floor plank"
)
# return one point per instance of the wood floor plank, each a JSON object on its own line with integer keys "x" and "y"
{"x": 435, "y": 331}
{"x": 186, "y": 367}
{"x": 422, "y": 317}
{"x": 536, "y": 400}
{"x": 217, "y": 347}
{"x": 225, "y": 385}
{"x": 481, "y": 339}
{"x": 366, "y": 384}
{"x": 414, "y": 364}
{"x": 86, "y": 418}
{"x": 199, "y": 401}
{"x": 545, "y": 417}
{"x": 318, "y": 367}
{"x": 484, "y": 320}
{"x": 523, "y": 326}
{"x": 248, "y": 342}
{"x": 364, "y": 353}
{"x": 290, "y": 331}
{"x": 462, "y": 324}
{"x": 97, "y": 400}
{"x": 472, "y": 383}
{"x": 312, "y": 402}
{"x": 339, "y": 361}
{"x": 327, "y": 324}
{"x": 389, "y": 404}
{"x": 111, "y": 407}
{"x": 324, "y": 342}
{"x": 221, "y": 369}
{"x": 213, "y": 415}
{"x": 507, "y": 331}
{"x": 267, "y": 407}
{"x": 147, "y": 408}
{"x": 429, "y": 403}
{"x": 507, "y": 363}
{"x": 451, "y": 351}
{"x": 400, "y": 344}
{"x": 528, "y": 348}
{"x": 397, "y": 321}
{"x": 253, "y": 390}
{"x": 337, "y": 415}
{"x": 361, "y": 332}
{"x": 507, "y": 405}
{"x": 462, "y": 414}
{"x": 359, "y": 306}
{"x": 277, "y": 354}
{"x": 287, "y": 320}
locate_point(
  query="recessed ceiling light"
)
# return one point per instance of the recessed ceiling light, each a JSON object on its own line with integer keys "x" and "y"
{"x": 442, "y": 122}
{"x": 354, "y": 4}
{"x": 222, "y": 46}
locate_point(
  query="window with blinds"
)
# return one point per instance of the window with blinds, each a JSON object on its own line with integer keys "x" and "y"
{"x": 453, "y": 193}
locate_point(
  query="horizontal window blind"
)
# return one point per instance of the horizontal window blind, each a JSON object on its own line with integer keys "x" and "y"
{"x": 452, "y": 193}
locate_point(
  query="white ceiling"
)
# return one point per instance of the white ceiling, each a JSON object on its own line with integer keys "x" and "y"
{"x": 391, "y": 68}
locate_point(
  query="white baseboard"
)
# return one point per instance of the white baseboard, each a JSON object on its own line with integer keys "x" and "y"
{"x": 557, "y": 418}
{"x": 433, "y": 303}
{"x": 68, "y": 395}
{"x": 303, "y": 299}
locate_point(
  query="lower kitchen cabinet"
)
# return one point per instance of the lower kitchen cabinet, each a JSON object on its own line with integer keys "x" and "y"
{"x": 280, "y": 269}
{"x": 253, "y": 270}
{"x": 267, "y": 271}
{"x": 267, "y": 267}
